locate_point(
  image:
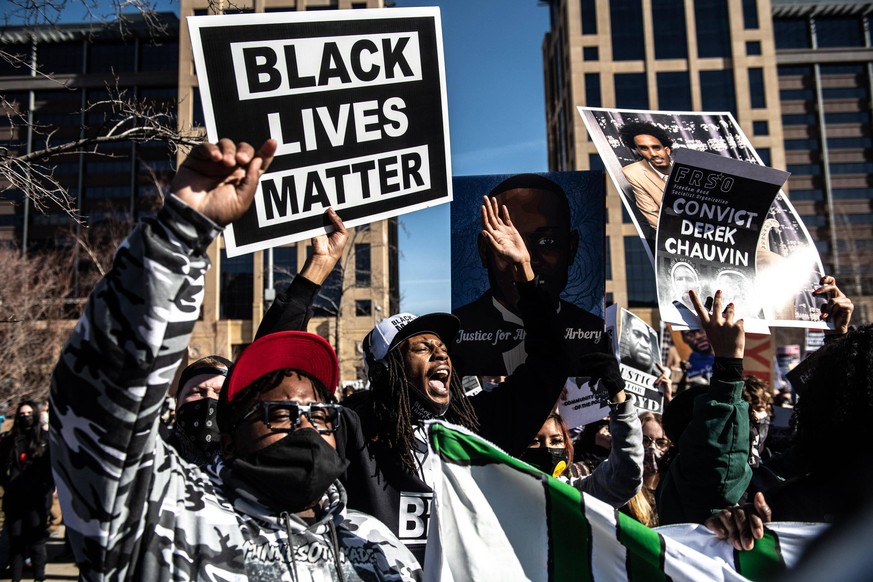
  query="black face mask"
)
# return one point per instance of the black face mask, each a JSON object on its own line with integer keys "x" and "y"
{"x": 758, "y": 430}
{"x": 293, "y": 473}
{"x": 544, "y": 459}
{"x": 25, "y": 421}
{"x": 197, "y": 420}
{"x": 423, "y": 408}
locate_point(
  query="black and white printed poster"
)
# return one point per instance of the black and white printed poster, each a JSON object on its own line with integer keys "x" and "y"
{"x": 712, "y": 215}
{"x": 356, "y": 100}
{"x": 560, "y": 217}
{"x": 636, "y": 346}
{"x": 638, "y": 150}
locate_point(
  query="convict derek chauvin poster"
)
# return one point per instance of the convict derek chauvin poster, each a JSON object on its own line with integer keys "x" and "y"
{"x": 560, "y": 218}
{"x": 356, "y": 100}
{"x": 713, "y": 213}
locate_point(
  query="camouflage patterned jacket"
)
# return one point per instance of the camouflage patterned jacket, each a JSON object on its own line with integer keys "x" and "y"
{"x": 133, "y": 508}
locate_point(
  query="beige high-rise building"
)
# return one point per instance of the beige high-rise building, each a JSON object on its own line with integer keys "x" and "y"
{"x": 797, "y": 75}
{"x": 358, "y": 294}
{"x": 678, "y": 55}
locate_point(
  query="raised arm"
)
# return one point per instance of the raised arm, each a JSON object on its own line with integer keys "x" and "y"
{"x": 115, "y": 369}
{"x": 712, "y": 470}
{"x": 838, "y": 309}
{"x": 292, "y": 308}
{"x": 512, "y": 413}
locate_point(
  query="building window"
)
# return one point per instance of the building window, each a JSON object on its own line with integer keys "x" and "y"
{"x": 284, "y": 266}
{"x": 590, "y": 53}
{"x": 589, "y": 16}
{"x": 631, "y": 91}
{"x": 713, "y": 33}
{"x": 717, "y": 90}
{"x": 641, "y": 291}
{"x": 750, "y": 14}
{"x": 674, "y": 91}
{"x": 363, "y": 307}
{"x": 764, "y": 154}
{"x": 813, "y": 195}
{"x": 760, "y": 128}
{"x": 595, "y": 162}
{"x": 159, "y": 57}
{"x": 58, "y": 58}
{"x": 836, "y": 32}
{"x": 625, "y": 216}
{"x": 363, "y": 261}
{"x": 105, "y": 57}
{"x": 607, "y": 257}
{"x": 753, "y": 48}
{"x": 756, "y": 88}
{"x": 592, "y": 89}
{"x": 237, "y": 287}
{"x": 628, "y": 43}
{"x": 670, "y": 39}
{"x": 791, "y": 33}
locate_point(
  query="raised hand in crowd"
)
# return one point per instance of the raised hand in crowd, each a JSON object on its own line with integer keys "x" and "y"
{"x": 726, "y": 335}
{"x": 504, "y": 238}
{"x": 604, "y": 368}
{"x": 327, "y": 250}
{"x": 219, "y": 179}
{"x": 741, "y": 525}
{"x": 838, "y": 309}
{"x": 665, "y": 382}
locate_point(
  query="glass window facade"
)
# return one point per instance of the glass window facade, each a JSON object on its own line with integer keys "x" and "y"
{"x": 66, "y": 58}
{"x": 641, "y": 291}
{"x": 717, "y": 90}
{"x": 837, "y": 32}
{"x": 592, "y": 89}
{"x": 671, "y": 41}
{"x": 628, "y": 43}
{"x": 713, "y": 33}
{"x": 674, "y": 91}
{"x": 589, "y": 16}
{"x": 631, "y": 91}
{"x": 760, "y": 128}
{"x": 750, "y": 14}
{"x": 757, "y": 94}
{"x": 590, "y": 53}
{"x": 753, "y": 47}
{"x": 363, "y": 275}
{"x": 791, "y": 33}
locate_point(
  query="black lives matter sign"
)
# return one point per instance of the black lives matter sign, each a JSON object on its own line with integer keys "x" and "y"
{"x": 356, "y": 100}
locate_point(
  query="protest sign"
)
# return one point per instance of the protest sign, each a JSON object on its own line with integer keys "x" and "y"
{"x": 788, "y": 279}
{"x": 712, "y": 215}
{"x": 635, "y": 345}
{"x": 813, "y": 340}
{"x": 560, "y": 218}
{"x": 356, "y": 100}
{"x": 583, "y": 402}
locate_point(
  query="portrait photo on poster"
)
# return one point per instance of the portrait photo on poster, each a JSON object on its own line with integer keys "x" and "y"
{"x": 638, "y": 148}
{"x": 560, "y": 217}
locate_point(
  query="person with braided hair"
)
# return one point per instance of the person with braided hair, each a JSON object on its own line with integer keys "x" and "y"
{"x": 412, "y": 379}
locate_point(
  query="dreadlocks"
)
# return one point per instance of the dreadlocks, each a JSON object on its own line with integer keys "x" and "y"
{"x": 393, "y": 410}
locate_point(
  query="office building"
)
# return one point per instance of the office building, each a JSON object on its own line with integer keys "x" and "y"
{"x": 760, "y": 61}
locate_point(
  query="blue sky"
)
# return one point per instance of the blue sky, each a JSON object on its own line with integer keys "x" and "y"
{"x": 497, "y": 115}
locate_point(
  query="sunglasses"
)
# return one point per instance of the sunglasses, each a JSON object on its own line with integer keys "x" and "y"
{"x": 285, "y": 415}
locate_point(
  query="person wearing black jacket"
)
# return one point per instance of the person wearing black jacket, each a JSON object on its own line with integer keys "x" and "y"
{"x": 26, "y": 476}
{"x": 412, "y": 380}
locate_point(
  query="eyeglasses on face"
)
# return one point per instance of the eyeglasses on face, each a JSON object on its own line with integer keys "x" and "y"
{"x": 285, "y": 415}
{"x": 661, "y": 443}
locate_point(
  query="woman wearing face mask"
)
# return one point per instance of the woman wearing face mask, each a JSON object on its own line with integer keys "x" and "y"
{"x": 27, "y": 483}
{"x": 657, "y": 450}
{"x": 617, "y": 479}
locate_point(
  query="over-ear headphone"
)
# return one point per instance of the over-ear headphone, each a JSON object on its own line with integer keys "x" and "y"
{"x": 377, "y": 370}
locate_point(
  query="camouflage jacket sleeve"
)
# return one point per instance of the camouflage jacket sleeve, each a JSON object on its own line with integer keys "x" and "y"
{"x": 111, "y": 380}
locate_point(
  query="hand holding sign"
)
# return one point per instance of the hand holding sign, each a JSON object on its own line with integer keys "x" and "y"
{"x": 838, "y": 310}
{"x": 219, "y": 179}
{"x": 726, "y": 336}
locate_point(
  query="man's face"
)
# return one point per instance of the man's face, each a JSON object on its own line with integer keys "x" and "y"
{"x": 651, "y": 150}
{"x": 200, "y": 387}
{"x": 428, "y": 366}
{"x": 684, "y": 280}
{"x": 253, "y": 435}
{"x": 538, "y": 217}
{"x": 697, "y": 340}
{"x": 640, "y": 343}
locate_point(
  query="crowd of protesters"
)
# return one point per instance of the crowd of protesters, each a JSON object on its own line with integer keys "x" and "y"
{"x": 263, "y": 474}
